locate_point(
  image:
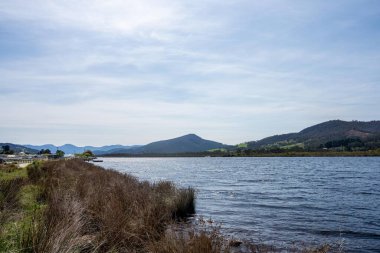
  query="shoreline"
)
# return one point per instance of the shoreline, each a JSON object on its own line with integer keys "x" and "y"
{"x": 371, "y": 153}
{"x": 62, "y": 204}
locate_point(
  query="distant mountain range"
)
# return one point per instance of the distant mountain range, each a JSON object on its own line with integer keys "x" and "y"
{"x": 18, "y": 148}
{"x": 72, "y": 149}
{"x": 329, "y": 134}
{"x": 186, "y": 143}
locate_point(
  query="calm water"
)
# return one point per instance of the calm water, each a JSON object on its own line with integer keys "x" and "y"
{"x": 278, "y": 200}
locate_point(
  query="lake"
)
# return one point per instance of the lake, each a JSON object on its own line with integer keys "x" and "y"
{"x": 279, "y": 200}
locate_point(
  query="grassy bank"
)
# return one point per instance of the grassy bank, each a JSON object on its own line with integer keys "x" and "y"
{"x": 322, "y": 153}
{"x": 74, "y": 206}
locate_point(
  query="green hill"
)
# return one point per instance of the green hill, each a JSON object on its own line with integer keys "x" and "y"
{"x": 330, "y": 134}
{"x": 186, "y": 143}
{"x": 18, "y": 148}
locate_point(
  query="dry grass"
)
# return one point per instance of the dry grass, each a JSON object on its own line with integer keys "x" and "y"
{"x": 95, "y": 210}
{"x": 11, "y": 180}
{"x": 187, "y": 238}
{"x": 9, "y": 199}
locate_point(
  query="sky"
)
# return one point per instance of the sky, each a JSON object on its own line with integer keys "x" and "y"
{"x": 132, "y": 72}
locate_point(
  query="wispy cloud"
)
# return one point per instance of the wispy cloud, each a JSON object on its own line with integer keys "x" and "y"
{"x": 115, "y": 16}
{"x": 131, "y": 72}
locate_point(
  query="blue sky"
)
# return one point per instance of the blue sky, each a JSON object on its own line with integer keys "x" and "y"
{"x": 132, "y": 72}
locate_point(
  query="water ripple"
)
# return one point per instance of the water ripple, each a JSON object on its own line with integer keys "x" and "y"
{"x": 279, "y": 200}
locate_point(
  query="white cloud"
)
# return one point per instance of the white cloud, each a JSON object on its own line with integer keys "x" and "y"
{"x": 149, "y": 70}
{"x": 116, "y": 16}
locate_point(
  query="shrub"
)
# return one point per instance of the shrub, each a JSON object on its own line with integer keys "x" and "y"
{"x": 184, "y": 204}
{"x": 34, "y": 171}
{"x": 9, "y": 193}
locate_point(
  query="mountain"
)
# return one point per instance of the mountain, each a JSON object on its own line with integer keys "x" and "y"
{"x": 352, "y": 135}
{"x": 72, "y": 149}
{"x": 106, "y": 149}
{"x": 323, "y": 133}
{"x": 51, "y": 147}
{"x": 19, "y": 148}
{"x": 183, "y": 144}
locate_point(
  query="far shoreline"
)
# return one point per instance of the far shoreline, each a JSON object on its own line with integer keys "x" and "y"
{"x": 370, "y": 153}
